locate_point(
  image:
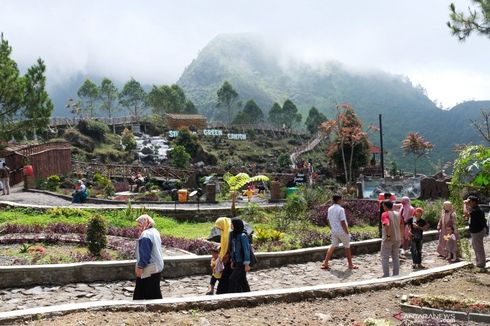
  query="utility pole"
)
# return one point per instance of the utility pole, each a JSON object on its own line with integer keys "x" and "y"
{"x": 381, "y": 145}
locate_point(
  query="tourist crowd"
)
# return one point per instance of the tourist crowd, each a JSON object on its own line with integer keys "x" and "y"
{"x": 402, "y": 228}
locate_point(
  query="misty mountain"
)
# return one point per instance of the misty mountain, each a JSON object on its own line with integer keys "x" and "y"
{"x": 263, "y": 74}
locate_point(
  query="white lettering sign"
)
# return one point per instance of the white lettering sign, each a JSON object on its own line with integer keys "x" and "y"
{"x": 173, "y": 133}
{"x": 212, "y": 132}
{"x": 237, "y": 136}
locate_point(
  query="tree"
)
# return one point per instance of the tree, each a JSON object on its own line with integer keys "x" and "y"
{"x": 190, "y": 108}
{"x": 251, "y": 114}
{"x": 179, "y": 157}
{"x": 188, "y": 141}
{"x": 275, "y": 115}
{"x": 483, "y": 125}
{"x": 314, "y": 120}
{"x": 476, "y": 20}
{"x": 108, "y": 95}
{"x": 235, "y": 182}
{"x": 88, "y": 94}
{"x": 227, "y": 101}
{"x": 349, "y": 150}
{"x": 37, "y": 104}
{"x": 290, "y": 114}
{"x": 11, "y": 86}
{"x": 414, "y": 144}
{"x": 168, "y": 99}
{"x": 133, "y": 98}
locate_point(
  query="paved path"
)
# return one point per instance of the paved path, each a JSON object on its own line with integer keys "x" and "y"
{"x": 276, "y": 278}
{"x": 19, "y": 197}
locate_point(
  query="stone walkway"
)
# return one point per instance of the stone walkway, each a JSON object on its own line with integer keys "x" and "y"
{"x": 285, "y": 277}
{"x": 20, "y": 197}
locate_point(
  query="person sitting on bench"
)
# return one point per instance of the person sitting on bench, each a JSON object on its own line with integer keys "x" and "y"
{"x": 80, "y": 194}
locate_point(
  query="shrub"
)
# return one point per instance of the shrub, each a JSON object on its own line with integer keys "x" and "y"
{"x": 94, "y": 129}
{"x": 284, "y": 161}
{"x": 104, "y": 183}
{"x": 188, "y": 141}
{"x": 96, "y": 235}
{"x": 294, "y": 210}
{"x": 254, "y": 213}
{"x": 179, "y": 157}
{"x": 267, "y": 235}
{"x": 53, "y": 182}
{"x": 128, "y": 140}
{"x": 78, "y": 140}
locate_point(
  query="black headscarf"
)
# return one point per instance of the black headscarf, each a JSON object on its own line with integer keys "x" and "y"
{"x": 238, "y": 226}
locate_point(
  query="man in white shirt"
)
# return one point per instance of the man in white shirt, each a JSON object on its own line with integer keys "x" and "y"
{"x": 339, "y": 232}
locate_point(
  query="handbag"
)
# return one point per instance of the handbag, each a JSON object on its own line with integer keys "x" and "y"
{"x": 148, "y": 270}
{"x": 253, "y": 259}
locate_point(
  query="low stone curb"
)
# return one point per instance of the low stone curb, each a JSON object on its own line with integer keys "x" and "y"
{"x": 237, "y": 299}
{"x": 175, "y": 266}
{"x": 446, "y": 314}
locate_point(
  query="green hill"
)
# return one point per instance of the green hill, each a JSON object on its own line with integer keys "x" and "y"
{"x": 257, "y": 72}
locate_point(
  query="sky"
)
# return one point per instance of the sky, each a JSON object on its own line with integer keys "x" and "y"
{"x": 153, "y": 41}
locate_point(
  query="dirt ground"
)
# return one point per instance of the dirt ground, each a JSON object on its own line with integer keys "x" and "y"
{"x": 348, "y": 310}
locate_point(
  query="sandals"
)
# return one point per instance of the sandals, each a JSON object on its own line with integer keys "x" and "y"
{"x": 325, "y": 266}
{"x": 354, "y": 267}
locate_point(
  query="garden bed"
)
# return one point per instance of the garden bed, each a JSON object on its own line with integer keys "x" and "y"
{"x": 448, "y": 308}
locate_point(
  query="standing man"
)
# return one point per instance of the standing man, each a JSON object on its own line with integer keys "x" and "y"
{"x": 477, "y": 230}
{"x": 339, "y": 232}
{"x": 391, "y": 238}
{"x": 5, "y": 177}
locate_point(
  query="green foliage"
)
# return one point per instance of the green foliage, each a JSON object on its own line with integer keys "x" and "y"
{"x": 11, "y": 87}
{"x": 128, "y": 140}
{"x": 96, "y": 235}
{"x": 77, "y": 139}
{"x": 251, "y": 114}
{"x": 284, "y": 161}
{"x": 472, "y": 168}
{"x": 96, "y": 130}
{"x": 275, "y": 115}
{"x": 314, "y": 120}
{"x": 88, "y": 94}
{"x": 133, "y": 97}
{"x": 262, "y": 235}
{"x": 108, "y": 95}
{"x": 67, "y": 212}
{"x": 394, "y": 171}
{"x": 37, "y": 103}
{"x": 293, "y": 211}
{"x": 253, "y": 212}
{"x": 227, "y": 102}
{"x": 462, "y": 24}
{"x": 316, "y": 195}
{"x": 25, "y": 248}
{"x": 179, "y": 157}
{"x": 189, "y": 141}
{"x": 53, "y": 182}
{"x": 104, "y": 183}
{"x": 169, "y": 99}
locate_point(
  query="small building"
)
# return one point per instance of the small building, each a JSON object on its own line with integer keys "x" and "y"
{"x": 189, "y": 121}
{"x": 46, "y": 159}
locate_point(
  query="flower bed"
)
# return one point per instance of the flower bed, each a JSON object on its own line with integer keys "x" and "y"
{"x": 357, "y": 211}
{"x": 450, "y": 303}
{"x": 52, "y": 234}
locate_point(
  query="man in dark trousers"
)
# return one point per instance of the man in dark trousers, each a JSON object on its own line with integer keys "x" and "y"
{"x": 477, "y": 222}
{"x": 5, "y": 178}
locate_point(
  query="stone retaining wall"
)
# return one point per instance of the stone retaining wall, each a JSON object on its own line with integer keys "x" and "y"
{"x": 178, "y": 266}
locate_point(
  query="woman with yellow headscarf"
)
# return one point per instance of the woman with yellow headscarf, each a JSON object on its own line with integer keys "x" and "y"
{"x": 224, "y": 224}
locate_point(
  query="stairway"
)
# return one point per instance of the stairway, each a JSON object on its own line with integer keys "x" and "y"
{"x": 306, "y": 148}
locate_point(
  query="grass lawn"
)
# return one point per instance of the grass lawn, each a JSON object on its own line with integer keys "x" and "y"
{"x": 164, "y": 224}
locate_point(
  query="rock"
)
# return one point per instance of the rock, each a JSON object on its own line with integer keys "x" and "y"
{"x": 204, "y": 322}
{"x": 323, "y": 317}
{"x": 34, "y": 291}
{"x": 404, "y": 298}
{"x": 128, "y": 289}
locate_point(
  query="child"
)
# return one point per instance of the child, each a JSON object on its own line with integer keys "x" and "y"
{"x": 417, "y": 227}
{"x": 451, "y": 247}
{"x": 215, "y": 276}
